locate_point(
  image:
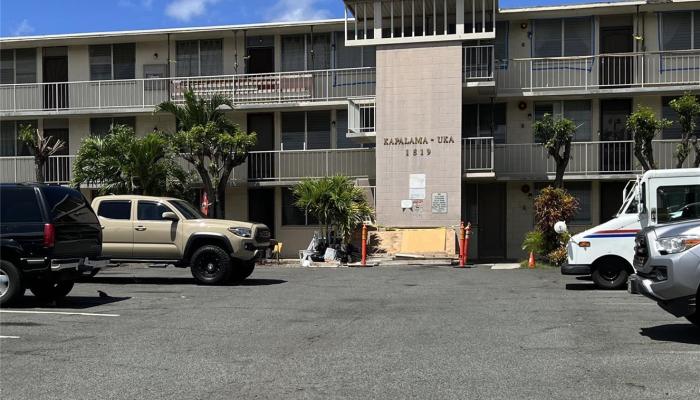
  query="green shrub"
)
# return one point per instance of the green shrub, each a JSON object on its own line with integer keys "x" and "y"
{"x": 534, "y": 242}
{"x": 553, "y": 205}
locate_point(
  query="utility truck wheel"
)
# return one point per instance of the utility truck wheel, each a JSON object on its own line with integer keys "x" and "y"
{"x": 610, "y": 275}
{"x": 210, "y": 265}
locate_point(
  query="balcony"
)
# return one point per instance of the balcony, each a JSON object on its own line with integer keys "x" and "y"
{"x": 246, "y": 91}
{"x": 589, "y": 160}
{"x": 261, "y": 167}
{"x": 650, "y": 71}
{"x": 361, "y": 119}
{"x": 477, "y": 65}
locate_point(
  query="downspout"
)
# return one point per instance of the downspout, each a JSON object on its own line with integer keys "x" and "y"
{"x": 311, "y": 50}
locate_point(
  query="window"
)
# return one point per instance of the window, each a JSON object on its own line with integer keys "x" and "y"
{"x": 187, "y": 210}
{"x": 112, "y": 61}
{"x": 115, "y": 209}
{"x": 673, "y": 131}
{"x": 199, "y": 57}
{"x": 500, "y": 47}
{"x": 19, "y": 204}
{"x": 291, "y": 214}
{"x": 680, "y": 30}
{"x": 582, "y": 192}
{"x": 102, "y": 126}
{"x": 562, "y": 37}
{"x": 18, "y": 66}
{"x": 320, "y": 54}
{"x": 151, "y": 211}
{"x": 352, "y": 56}
{"x": 678, "y": 203}
{"x": 477, "y": 121}
{"x": 312, "y": 129}
{"x": 578, "y": 111}
{"x": 10, "y": 144}
{"x": 68, "y": 205}
{"x": 293, "y": 52}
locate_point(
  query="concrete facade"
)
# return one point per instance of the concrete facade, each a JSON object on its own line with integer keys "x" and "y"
{"x": 419, "y": 88}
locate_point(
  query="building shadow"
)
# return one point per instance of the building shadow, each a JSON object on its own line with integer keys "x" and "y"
{"x": 68, "y": 302}
{"x": 679, "y": 333}
{"x": 580, "y": 286}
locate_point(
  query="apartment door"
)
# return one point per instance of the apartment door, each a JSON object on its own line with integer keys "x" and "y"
{"x": 610, "y": 199}
{"x": 617, "y": 69}
{"x": 261, "y": 207}
{"x": 262, "y": 165}
{"x": 55, "y": 69}
{"x": 615, "y": 157}
{"x": 491, "y": 231}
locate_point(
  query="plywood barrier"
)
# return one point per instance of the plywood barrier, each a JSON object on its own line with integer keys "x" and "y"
{"x": 423, "y": 241}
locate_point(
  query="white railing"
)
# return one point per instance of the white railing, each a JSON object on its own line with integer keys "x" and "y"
{"x": 587, "y": 158}
{"x": 58, "y": 169}
{"x": 602, "y": 71}
{"x": 477, "y": 154}
{"x": 290, "y": 165}
{"x": 361, "y": 116}
{"x": 271, "y": 88}
{"x": 478, "y": 63}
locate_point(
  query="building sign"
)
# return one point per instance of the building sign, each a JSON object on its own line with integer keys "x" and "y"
{"x": 439, "y": 204}
{"x": 419, "y": 145}
{"x": 416, "y": 187}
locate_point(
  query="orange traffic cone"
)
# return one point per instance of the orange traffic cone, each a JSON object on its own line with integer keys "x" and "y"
{"x": 531, "y": 261}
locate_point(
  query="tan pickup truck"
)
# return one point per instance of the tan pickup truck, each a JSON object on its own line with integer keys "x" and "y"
{"x": 162, "y": 231}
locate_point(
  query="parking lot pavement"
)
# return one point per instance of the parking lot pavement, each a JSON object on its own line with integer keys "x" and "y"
{"x": 385, "y": 332}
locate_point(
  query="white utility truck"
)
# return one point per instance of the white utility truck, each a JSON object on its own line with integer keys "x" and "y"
{"x": 606, "y": 251}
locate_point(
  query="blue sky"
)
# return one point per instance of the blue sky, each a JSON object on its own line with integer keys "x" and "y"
{"x": 38, "y": 17}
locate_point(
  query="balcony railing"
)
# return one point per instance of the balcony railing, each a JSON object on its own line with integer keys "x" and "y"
{"x": 603, "y": 71}
{"x": 291, "y": 165}
{"x": 478, "y": 154}
{"x": 478, "y": 63}
{"x": 261, "y": 166}
{"x": 247, "y": 89}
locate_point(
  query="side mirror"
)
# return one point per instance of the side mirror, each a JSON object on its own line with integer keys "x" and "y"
{"x": 169, "y": 215}
{"x": 560, "y": 227}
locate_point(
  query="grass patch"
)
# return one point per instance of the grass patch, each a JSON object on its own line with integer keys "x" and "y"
{"x": 538, "y": 265}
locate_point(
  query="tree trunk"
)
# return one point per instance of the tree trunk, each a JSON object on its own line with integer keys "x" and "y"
{"x": 696, "y": 146}
{"x": 649, "y": 155}
{"x": 39, "y": 169}
{"x": 220, "y": 202}
{"x": 683, "y": 151}
{"x": 640, "y": 157}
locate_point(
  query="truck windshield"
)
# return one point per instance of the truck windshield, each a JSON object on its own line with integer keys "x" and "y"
{"x": 186, "y": 209}
{"x": 629, "y": 205}
{"x": 678, "y": 203}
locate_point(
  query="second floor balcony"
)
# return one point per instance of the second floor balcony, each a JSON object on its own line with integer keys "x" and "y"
{"x": 247, "y": 90}
{"x": 589, "y": 160}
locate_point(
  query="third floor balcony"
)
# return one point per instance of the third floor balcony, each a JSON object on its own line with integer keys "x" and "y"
{"x": 245, "y": 90}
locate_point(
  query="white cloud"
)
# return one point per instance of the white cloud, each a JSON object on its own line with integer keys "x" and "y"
{"x": 297, "y": 10}
{"x": 185, "y": 10}
{"x": 24, "y": 28}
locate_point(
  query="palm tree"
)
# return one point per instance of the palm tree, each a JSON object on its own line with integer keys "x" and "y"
{"x": 42, "y": 147}
{"x": 335, "y": 202}
{"x": 122, "y": 163}
{"x": 209, "y": 141}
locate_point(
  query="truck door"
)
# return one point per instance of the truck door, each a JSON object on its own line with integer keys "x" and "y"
{"x": 118, "y": 238}
{"x": 154, "y": 237}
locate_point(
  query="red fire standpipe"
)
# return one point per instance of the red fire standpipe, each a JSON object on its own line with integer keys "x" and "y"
{"x": 461, "y": 244}
{"x": 364, "y": 245}
{"x": 466, "y": 242}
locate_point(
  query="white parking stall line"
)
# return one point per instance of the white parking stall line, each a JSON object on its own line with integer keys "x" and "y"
{"x": 8, "y": 337}
{"x": 57, "y": 313}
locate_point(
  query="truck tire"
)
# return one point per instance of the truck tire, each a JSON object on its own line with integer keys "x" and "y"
{"x": 610, "y": 275}
{"x": 51, "y": 290}
{"x": 241, "y": 270}
{"x": 10, "y": 283}
{"x": 694, "y": 317}
{"x": 210, "y": 265}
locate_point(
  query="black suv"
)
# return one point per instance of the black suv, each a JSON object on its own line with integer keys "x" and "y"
{"x": 48, "y": 236}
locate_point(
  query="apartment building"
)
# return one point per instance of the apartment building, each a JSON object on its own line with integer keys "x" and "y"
{"x": 428, "y": 103}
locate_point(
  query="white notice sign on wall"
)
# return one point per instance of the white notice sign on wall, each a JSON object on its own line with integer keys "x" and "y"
{"x": 416, "y": 187}
{"x": 439, "y": 204}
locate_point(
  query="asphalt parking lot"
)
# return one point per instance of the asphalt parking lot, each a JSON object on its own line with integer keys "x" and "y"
{"x": 383, "y": 332}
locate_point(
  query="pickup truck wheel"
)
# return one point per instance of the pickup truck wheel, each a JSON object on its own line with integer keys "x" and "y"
{"x": 49, "y": 290}
{"x": 610, "y": 276}
{"x": 210, "y": 265}
{"x": 242, "y": 270}
{"x": 10, "y": 283}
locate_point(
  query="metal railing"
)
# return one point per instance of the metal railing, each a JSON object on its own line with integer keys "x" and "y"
{"x": 477, "y": 154}
{"x": 270, "y": 88}
{"x": 58, "y": 169}
{"x": 587, "y": 158}
{"x": 478, "y": 63}
{"x": 291, "y": 165}
{"x": 361, "y": 116}
{"x": 600, "y": 71}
